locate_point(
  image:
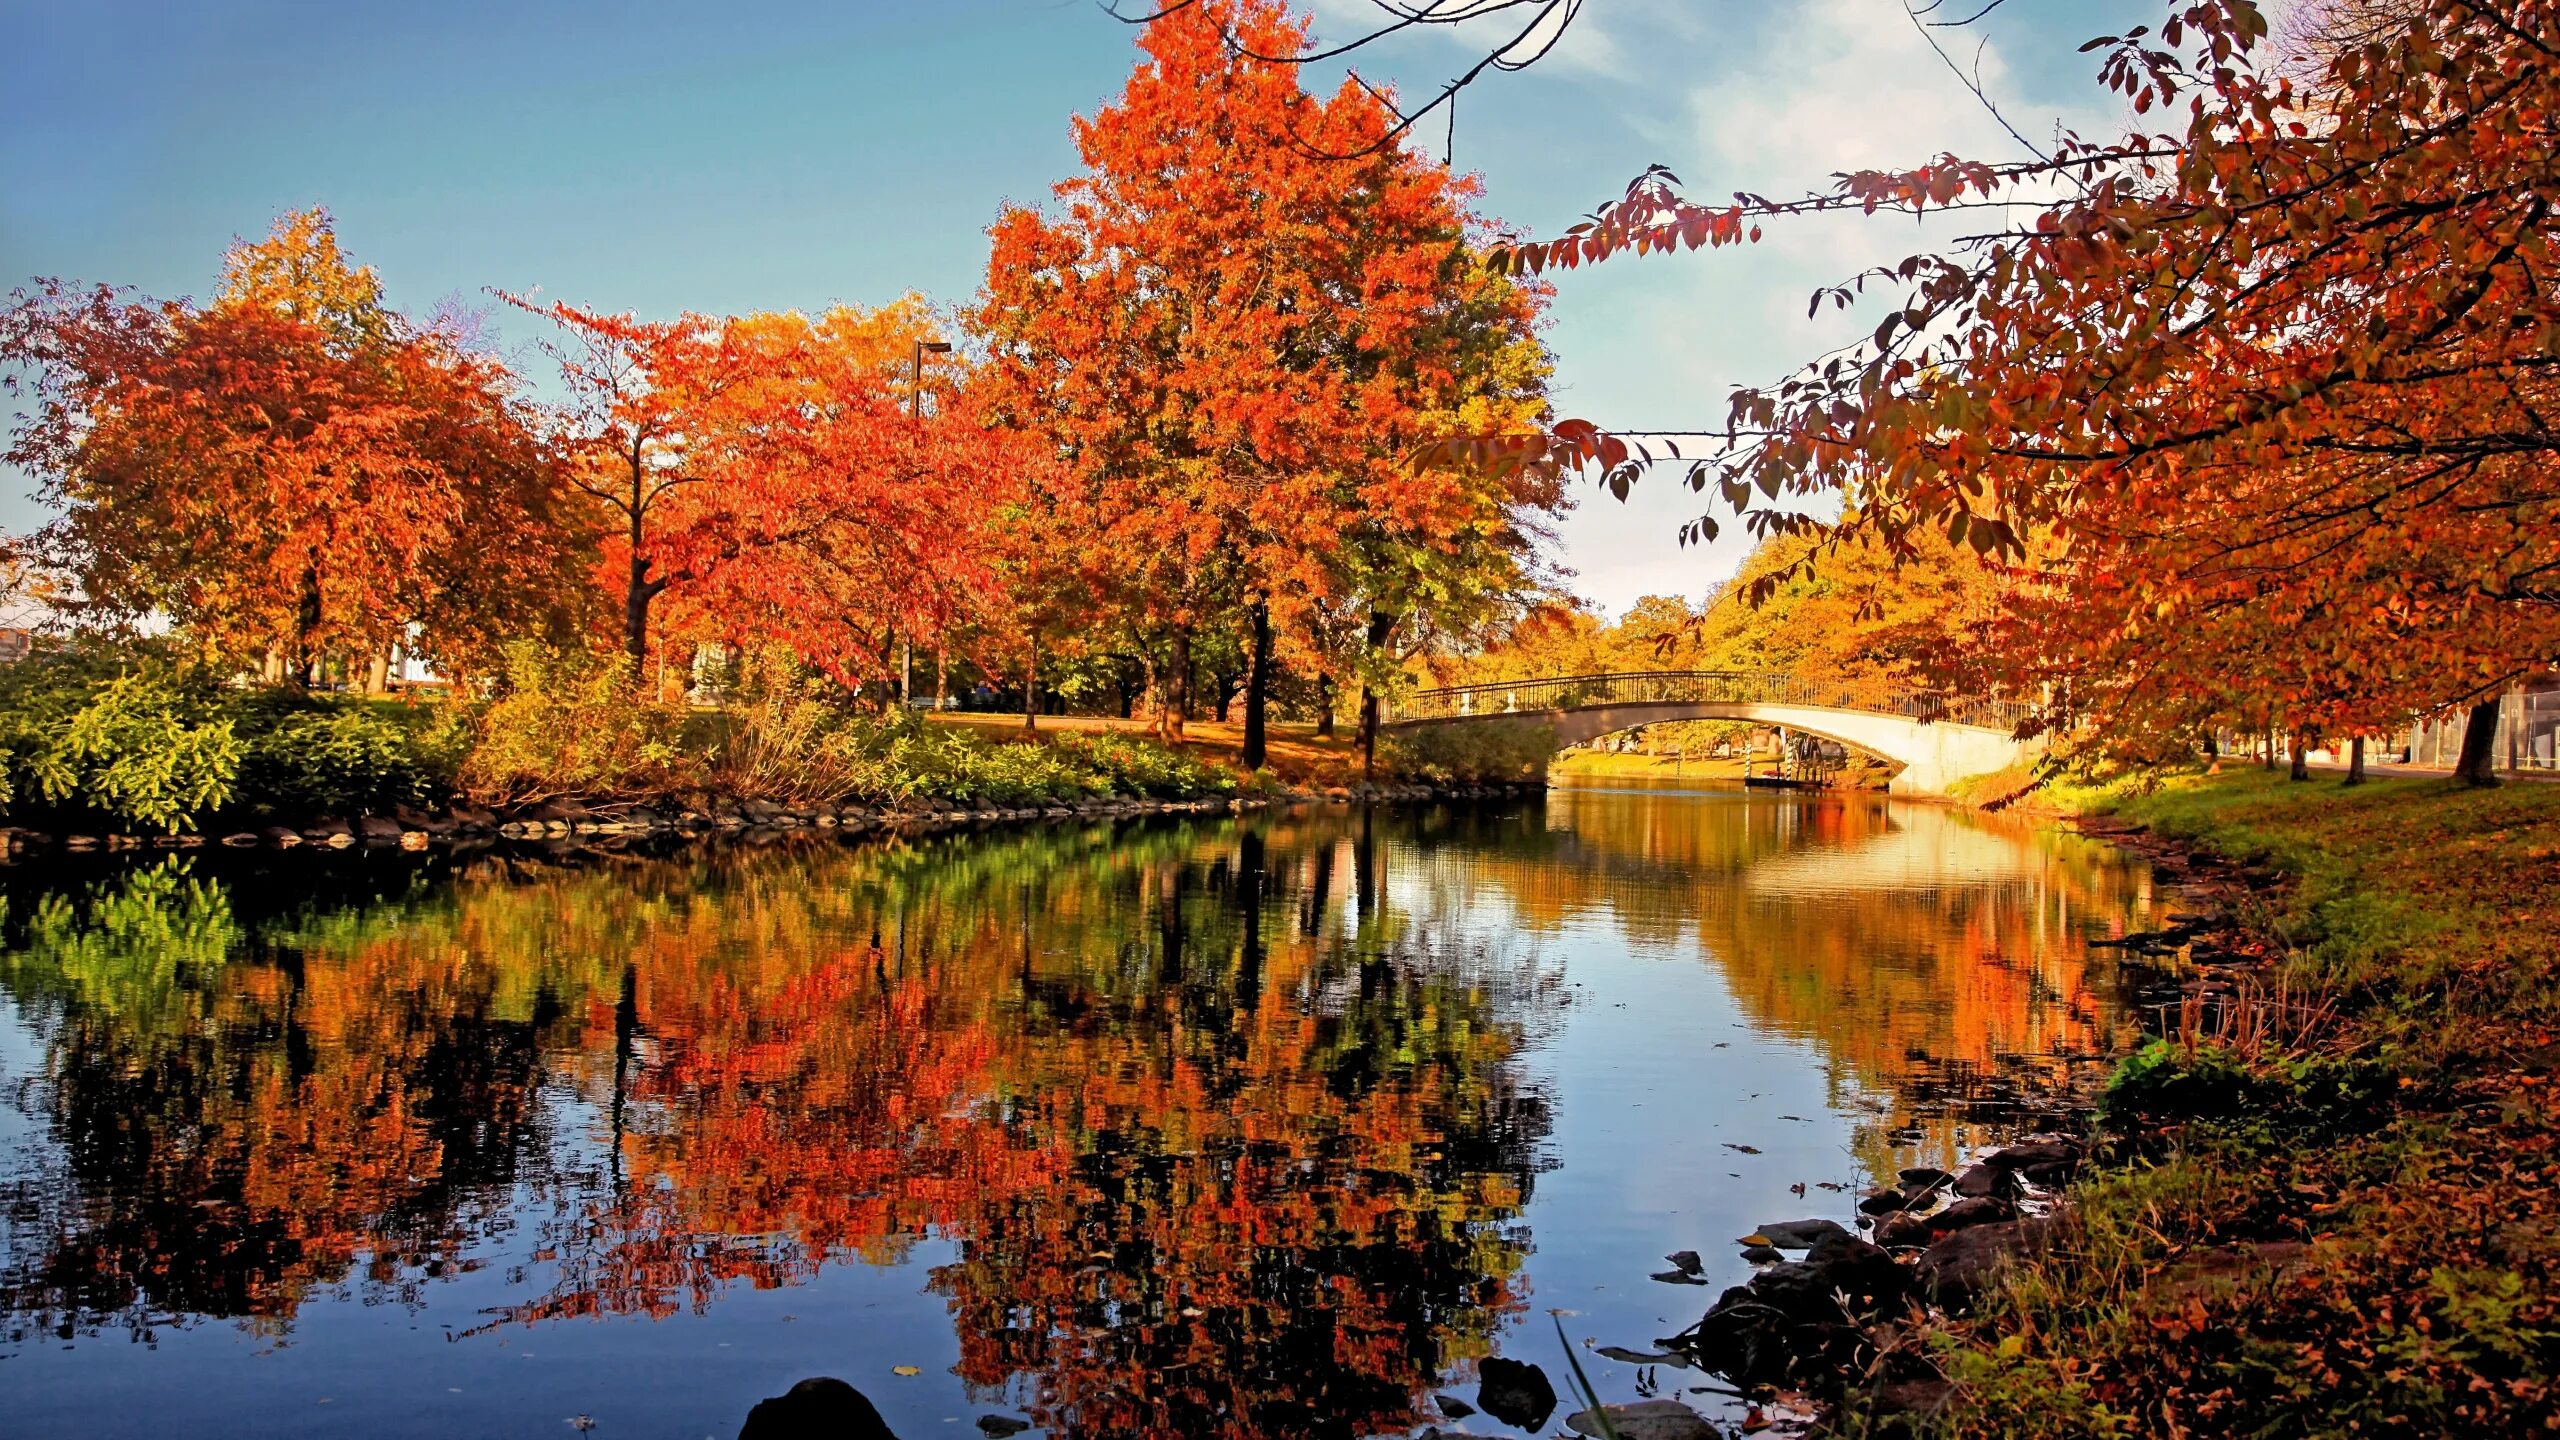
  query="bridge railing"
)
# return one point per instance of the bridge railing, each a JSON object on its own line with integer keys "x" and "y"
{"x": 1731, "y": 687}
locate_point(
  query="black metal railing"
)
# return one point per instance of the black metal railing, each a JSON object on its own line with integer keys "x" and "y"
{"x": 1706, "y": 687}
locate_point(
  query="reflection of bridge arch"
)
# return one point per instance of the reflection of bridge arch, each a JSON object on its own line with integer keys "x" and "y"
{"x": 1936, "y": 739}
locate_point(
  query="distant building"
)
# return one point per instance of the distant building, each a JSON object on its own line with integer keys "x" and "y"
{"x": 16, "y": 644}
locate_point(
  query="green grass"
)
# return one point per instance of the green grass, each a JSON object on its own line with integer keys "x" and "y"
{"x": 2302, "y": 1267}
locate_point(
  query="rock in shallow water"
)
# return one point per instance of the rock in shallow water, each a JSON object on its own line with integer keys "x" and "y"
{"x": 820, "y": 1408}
{"x": 1515, "y": 1393}
{"x": 1645, "y": 1420}
{"x": 1800, "y": 1234}
{"x": 1957, "y": 1268}
{"x": 1971, "y": 1211}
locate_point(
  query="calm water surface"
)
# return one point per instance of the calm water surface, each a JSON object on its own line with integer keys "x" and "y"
{"x": 1263, "y": 1127}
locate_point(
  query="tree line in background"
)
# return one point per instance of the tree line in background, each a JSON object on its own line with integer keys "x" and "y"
{"x": 1165, "y": 452}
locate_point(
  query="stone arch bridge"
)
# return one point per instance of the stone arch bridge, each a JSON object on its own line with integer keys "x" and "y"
{"x": 1937, "y": 739}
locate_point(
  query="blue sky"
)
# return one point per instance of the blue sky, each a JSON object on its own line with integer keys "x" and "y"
{"x": 654, "y": 156}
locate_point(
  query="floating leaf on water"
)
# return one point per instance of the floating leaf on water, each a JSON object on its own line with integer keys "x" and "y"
{"x": 904, "y": 1370}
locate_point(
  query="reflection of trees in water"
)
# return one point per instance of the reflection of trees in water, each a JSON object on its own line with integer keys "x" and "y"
{"x": 1225, "y": 1123}
{"x": 1934, "y": 956}
{"x": 1177, "y": 1123}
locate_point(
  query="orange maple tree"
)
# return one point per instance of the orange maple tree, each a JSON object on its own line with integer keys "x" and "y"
{"x": 1235, "y": 339}
{"x": 294, "y": 470}
{"x": 765, "y": 474}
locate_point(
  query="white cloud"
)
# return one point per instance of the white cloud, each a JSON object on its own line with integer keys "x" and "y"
{"x": 1822, "y": 87}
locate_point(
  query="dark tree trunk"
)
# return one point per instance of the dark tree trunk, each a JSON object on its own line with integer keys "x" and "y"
{"x": 2300, "y": 749}
{"x": 1226, "y": 695}
{"x": 1324, "y": 706}
{"x": 306, "y": 624}
{"x": 1177, "y": 685}
{"x": 1249, "y": 861}
{"x": 1031, "y": 687}
{"x": 2355, "y": 761}
{"x": 635, "y": 613}
{"x": 1257, "y": 686}
{"x": 2479, "y": 762}
{"x": 1381, "y": 626}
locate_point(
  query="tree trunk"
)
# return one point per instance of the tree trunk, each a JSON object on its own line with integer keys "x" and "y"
{"x": 1257, "y": 686}
{"x": 1226, "y": 695}
{"x": 2267, "y": 750}
{"x": 2479, "y": 762}
{"x": 1176, "y": 706}
{"x": 1324, "y": 706}
{"x": 1031, "y": 687}
{"x": 306, "y": 624}
{"x": 636, "y": 596}
{"x": 2300, "y": 749}
{"x": 377, "y": 674}
{"x": 2355, "y": 761}
{"x": 1381, "y": 626}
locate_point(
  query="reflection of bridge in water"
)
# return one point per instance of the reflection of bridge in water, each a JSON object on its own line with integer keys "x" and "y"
{"x": 1937, "y": 739}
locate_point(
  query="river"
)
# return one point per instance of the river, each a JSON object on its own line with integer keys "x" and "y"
{"x": 1258, "y": 1126}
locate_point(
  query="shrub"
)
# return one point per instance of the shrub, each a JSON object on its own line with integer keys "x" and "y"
{"x": 143, "y": 742}
{"x": 1131, "y": 766}
{"x": 341, "y": 760}
{"x": 1487, "y": 750}
{"x": 565, "y": 724}
{"x": 785, "y": 737}
{"x": 2165, "y": 1083}
{"x": 913, "y": 760}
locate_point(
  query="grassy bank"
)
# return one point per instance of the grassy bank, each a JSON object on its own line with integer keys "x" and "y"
{"x": 1295, "y": 753}
{"x": 2336, "y": 1203}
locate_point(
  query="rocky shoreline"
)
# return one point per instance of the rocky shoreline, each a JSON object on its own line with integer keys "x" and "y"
{"x": 1827, "y": 1323}
{"x": 595, "y": 820}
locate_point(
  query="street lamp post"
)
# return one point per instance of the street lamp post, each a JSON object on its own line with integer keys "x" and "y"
{"x": 915, "y": 411}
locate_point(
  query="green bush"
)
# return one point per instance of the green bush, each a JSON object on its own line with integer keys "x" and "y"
{"x": 1130, "y": 766}
{"x": 134, "y": 739}
{"x": 574, "y": 724}
{"x": 340, "y": 760}
{"x": 2166, "y": 1083}
{"x": 784, "y": 735}
{"x": 1487, "y": 750}
{"x": 906, "y": 758}
{"x": 912, "y": 760}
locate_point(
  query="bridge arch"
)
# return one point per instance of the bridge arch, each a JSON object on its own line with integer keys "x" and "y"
{"x": 1937, "y": 740}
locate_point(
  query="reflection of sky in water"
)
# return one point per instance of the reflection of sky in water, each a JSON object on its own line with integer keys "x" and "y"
{"x": 1609, "y": 993}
